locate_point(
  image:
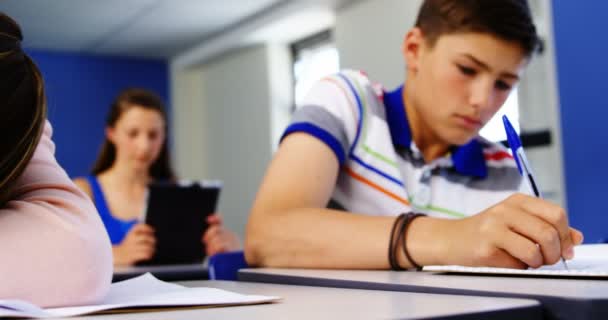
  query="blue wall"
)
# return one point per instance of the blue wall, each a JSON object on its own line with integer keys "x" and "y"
{"x": 582, "y": 67}
{"x": 80, "y": 89}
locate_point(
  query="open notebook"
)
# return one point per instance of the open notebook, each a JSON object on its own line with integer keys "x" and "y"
{"x": 142, "y": 292}
{"x": 590, "y": 261}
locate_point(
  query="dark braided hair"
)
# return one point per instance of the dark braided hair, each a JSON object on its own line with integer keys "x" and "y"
{"x": 22, "y": 106}
{"x": 510, "y": 20}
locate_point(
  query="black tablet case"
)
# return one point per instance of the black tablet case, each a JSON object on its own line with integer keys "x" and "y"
{"x": 178, "y": 215}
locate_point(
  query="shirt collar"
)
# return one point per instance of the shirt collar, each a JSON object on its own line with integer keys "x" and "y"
{"x": 467, "y": 159}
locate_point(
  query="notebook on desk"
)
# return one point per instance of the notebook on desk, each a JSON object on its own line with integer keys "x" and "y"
{"x": 144, "y": 293}
{"x": 590, "y": 261}
{"x": 178, "y": 213}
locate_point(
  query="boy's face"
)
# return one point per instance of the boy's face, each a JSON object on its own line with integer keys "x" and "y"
{"x": 458, "y": 84}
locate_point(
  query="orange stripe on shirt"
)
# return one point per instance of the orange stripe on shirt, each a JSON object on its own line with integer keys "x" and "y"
{"x": 497, "y": 156}
{"x": 361, "y": 179}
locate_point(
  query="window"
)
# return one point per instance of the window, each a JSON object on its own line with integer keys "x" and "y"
{"x": 494, "y": 129}
{"x": 314, "y": 57}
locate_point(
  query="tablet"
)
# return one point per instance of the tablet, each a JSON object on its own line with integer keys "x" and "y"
{"x": 178, "y": 213}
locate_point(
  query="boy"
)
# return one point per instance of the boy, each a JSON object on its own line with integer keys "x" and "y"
{"x": 414, "y": 149}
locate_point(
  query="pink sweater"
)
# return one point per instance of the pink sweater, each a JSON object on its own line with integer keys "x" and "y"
{"x": 55, "y": 251}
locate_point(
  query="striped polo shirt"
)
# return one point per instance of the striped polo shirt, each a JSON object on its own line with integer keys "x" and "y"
{"x": 382, "y": 172}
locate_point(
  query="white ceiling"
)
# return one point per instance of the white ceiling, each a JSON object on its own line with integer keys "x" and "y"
{"x": 143, "y": 28}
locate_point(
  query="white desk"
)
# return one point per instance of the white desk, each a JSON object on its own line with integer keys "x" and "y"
{"x": 177, "y": 272}
{"x": 307, "y": 303}
{"x": 561, "y": 298}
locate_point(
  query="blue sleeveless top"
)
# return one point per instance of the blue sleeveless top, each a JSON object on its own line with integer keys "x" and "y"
{"x": 117, "y": 229}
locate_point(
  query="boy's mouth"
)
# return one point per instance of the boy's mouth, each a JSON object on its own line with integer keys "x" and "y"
{"x": 467, "y": 122}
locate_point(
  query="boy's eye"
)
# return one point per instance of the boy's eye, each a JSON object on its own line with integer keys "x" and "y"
{"x": 503, "y": 86}
{"x": 132, "y": 133}
{"x": 466, "y": 70}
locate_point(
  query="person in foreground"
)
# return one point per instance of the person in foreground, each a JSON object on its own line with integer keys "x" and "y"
{"x": 133, "y": 155}
{"x": 376, "y": 154}
{"x": 54, "y": 249}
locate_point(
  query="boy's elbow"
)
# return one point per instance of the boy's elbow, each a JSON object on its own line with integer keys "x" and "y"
{"x": 253, "y": 248}
{"x": 257, "y": 238}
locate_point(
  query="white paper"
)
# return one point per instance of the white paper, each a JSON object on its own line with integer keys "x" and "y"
{"x": 589, "y": 261}
{"x": 143, "y": 291}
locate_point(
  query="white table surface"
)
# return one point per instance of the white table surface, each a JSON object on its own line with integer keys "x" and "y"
{"x": 306, "y": 302}
{"x": 562, "y": 298}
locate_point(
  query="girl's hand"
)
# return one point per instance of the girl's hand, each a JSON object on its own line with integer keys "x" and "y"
{"x": 138, "y": 245}
{"x": 218, "y": 239}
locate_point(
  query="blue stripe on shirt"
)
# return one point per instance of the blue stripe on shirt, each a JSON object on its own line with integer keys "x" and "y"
{"x": 320, "y": 134}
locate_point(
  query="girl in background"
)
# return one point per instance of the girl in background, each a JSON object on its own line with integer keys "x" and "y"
{"x": 135, "y": 154}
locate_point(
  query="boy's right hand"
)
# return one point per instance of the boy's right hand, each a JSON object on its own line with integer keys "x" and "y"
{"x": 521, "y": 231}
{"x": 138, "y": 245}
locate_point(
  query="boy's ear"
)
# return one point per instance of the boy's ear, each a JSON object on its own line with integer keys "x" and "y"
{"x": 412, "y": 47}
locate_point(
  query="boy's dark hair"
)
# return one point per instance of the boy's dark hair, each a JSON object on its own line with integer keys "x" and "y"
{"x": 127, "y": 99}
{"x": 510, "y": 20}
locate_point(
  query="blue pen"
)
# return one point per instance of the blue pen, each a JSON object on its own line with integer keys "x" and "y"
{"x": 522, "y": 162}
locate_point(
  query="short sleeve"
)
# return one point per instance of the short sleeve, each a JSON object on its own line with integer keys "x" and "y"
{"x": 331, "y": 112}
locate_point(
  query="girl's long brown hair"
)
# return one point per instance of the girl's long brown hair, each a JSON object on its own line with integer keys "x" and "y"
{"x": 22, "y": 106}
{"x": 161, "y": 168}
